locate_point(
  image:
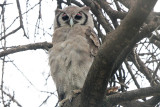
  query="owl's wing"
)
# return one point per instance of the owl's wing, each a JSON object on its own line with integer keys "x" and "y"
{"x": 93, "y": 41}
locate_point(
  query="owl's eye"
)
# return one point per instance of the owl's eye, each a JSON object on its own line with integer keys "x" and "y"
{"x": 65, "y": 17}
{"x": 78, "y": 16}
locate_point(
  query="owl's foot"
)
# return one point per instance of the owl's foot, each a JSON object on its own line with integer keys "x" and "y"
{"x": 70, "y": 97}
{"x": 62, "y": 102}
{"x": 74, "y": 94}
{"x": 78, "y": 91}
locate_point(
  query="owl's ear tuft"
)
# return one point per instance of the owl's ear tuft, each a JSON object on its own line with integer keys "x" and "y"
{"x": 57, "y": 11}
{"x": 86, "y": 8}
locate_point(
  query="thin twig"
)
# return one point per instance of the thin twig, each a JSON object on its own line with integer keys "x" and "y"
{"x": 12, "y": 98}
{"x": 21, "y": 18}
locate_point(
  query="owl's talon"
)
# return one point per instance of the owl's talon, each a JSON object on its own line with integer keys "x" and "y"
{"x": 62, "y": 102}
{"x": 78, "y": 91}
{"x": 70, "y": 99}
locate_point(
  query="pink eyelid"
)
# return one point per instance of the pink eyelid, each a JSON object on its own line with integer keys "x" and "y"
{"x": 64, "y": 14}
{"x": 79, "y": 14}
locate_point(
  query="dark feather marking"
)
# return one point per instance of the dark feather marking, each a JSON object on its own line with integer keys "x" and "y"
{"x": 86, "y": 18}
{"x": 59, "y": 25}
{"x": 69, "y": 64}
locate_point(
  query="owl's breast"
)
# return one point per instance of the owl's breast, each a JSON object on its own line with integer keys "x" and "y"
{"x": 76, "y": 44}
{"x": 60, "y": 34}
{"x": 73, "y": 52}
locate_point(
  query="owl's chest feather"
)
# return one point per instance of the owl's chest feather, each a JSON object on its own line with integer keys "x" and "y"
{"x": 76, "y": 45}
{"x": 64, "y": 33}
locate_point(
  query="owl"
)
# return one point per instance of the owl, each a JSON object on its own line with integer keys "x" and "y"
{"x": 74, "y": 47}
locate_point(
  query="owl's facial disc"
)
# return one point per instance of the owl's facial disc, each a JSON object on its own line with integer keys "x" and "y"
{"x": 80, "y": 17}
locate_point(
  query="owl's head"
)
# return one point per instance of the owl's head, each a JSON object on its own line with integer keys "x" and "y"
{"x": 73, "y": 15}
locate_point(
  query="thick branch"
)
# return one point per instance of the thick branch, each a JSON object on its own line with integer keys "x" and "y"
{"x": 125, "y": 97}
{"x": 110, "y": 11}
{"x": 133, "y": 95}
{"x": 153, "y": 101}
{"x": 94, "y": 88}
{"x": 127, "y": 3}
{"x": 42, "y": 45}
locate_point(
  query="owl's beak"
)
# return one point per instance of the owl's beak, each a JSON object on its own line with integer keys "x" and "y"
{"x": 71, "y": 22}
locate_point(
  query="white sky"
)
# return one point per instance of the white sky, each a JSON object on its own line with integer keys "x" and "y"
{"x": 33, "y": 64}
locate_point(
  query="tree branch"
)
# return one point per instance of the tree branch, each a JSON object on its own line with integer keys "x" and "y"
{"x": 12, "y": 32}
{"x": 34, "y": 46}
{"x": 132, "y": 75}
{"x": 12, "y": 98}
{"x": 133, "y": 95}
{"x": 20, "y": 17}
{"x": 110, "y": 11}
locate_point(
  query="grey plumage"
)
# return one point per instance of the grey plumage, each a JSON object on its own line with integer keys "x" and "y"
{"x": 74, "y": 47}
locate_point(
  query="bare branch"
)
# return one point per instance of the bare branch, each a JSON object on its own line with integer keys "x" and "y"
{"x": 12, "y": 98}
{"x": 142, "y": 68}
{"x": 12, "y": 32}
{"x": 21, "y": 18}
{"x": 4, "y": 4}
{"x": 77, "y": 3}
{"x": 132, "y": 75}
{"x": 15, "y": 30}
{"x": 133, "y": 95}
{"x": 59, "y": 4}
{"x": 110, "y": 11}
{"x": 42, "y": 45}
